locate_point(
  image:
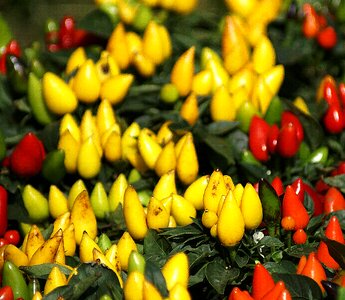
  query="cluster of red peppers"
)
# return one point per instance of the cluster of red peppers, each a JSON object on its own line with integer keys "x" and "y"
{"x": 334, "y": 94}
{"x": 316, "y": 26}
{"x": 266, "y": 140}
{"x": 12, "y": 48}
{"x": 66, "y": 35}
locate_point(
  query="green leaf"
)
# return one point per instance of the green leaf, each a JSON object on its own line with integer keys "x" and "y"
{"x": 221, "y": 127}
{"x": 91, "y": 281}
{"x": 98, "y": 23}
{"x": 42, "y": 271}
{"x": 155, "y": 247}
{"x": 300, "y": 287}
{"x": 270, "y": 242}
{"x": 284, "y": 266}
{"x": 299, "y": 250}
{"x": 270, "y": 203}
{"x": 218, "y": 275}
{"x": 198, "y": 277}
{"x": 6, "y": 34}
{"x": 337, "y": 251}
{"x": 154, "y": 275}
{"x": 337, "y": 181}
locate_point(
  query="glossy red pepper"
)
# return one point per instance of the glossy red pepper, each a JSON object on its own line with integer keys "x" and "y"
{"x": 330, "y": 92}
{"x": 262, "y": 281}
{"x": 66, "y": 32}
{"x": 288, "y": 143}
{"x": 6, "y": 293}
{"x": 272, "y": 139}
{"x": 327, "y": 37}
{"x": 333, "y": 201}
{"x": 274, "y": 293}
{"x": 278, "y": 185}
{"x": 27, "y": 157}
{"x": 299, "y": 237}
{"x": 314, "y": 269}
{"x": 238, "y": 294}
{"x": 334, "y": 119}
{"x": 292, "y": 206}
{"x": 3, "y": 210}
{"x": 290, "y": 118}
{"x": 258, "y": 134}
{"x": 298, "y": 186}
{"x": 12, "y": 236}
{"x": 285, "y": 295}
{"x": 341, "y": 88}
{"x": 333, "y": 232}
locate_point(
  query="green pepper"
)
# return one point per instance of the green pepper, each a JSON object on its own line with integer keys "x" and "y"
{"x": 271, "y": 207}
{"x": 13, "y": 277}
{"x": 274, "y": 111}
{"x": 104, "y": 242}
{"x": 6, "y": 34}
{"x": 136, "y": 262}
{"x": 318, "y": 156}
{"x": 248, "y": 157}
{"x": 53, "y": 168}
{"x": 36, "y": 100}
{"x": 303, "y": 151}
{"x": 33, "y": 286}
{"x": 16, "y": 74}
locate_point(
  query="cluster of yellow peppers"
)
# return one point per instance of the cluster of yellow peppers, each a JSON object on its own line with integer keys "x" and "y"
{"x": 245, "y": 74}
{"x": 129, "y": 10}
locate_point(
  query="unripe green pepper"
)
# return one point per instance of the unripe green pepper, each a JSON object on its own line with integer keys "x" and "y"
{"x": 35, "y": 203}
{"x": 248, "y": 157}
{"x": 104, "y": 242}
{"x": 320, "y": 155}
{"x": 53, "y": 168}
{"x": 13, "y": 277}
{"x": 303, "y": 151}
{"x": 274, "y": 111}
{"x": 33, "y": 287}
{"x": 136, "y": 262}
{"x": 99, "y": 201}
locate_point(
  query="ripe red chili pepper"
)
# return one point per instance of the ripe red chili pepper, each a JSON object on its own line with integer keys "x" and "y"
{"x": 341, "y": 88}
{"x": 278, "y": 185}
{"x": 299, "y": 237}
{"x": 314, "y": 269}
{"x": 272, "y": 139}
{"x": 3, "y": 210}
{"x": 285, "y": 295}
{"x": 66, "y": 32}
{"x": 238, "y": 294}
{"x": 301, "y": 264}
{"x": 327, "y": 37}
{"x": 3, "y": 242}
{"x": 6, "y": 293}
{"x": 12, "y": 236}
{"x": 290, "y": 118}
{"x": 288, "y": 143}
{"x": 334, "y": 119}
{"x": 258, "y": 133}
{"x": 334, "y": 200}
{"x": 310, "y": 25}
{"x": 274, "y": 293}
{"x": 298, "y": 186}
{"x": 333, "y": 232}
{"x": 262, "y": 281}
{"x": 292, "y": 206}
{"x": 27, "y": 157}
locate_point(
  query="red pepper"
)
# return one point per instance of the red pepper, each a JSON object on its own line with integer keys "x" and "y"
{"x": 298, "y": 186}
{"x": 12, "y": 236}
{"x": 285, "y": 295}
{"x": 310, "y": 25}
{"x": 258, "y": 133}
{"x": 314, "y": 269}
{"x": 288, "y": 143}
{"x": 6, "y": 293}
{"x": 333, "y": 201}
{"x": 334, "y": 119}
{"x": 3, "y": 210}
{"x": 278, "y": 185}
{"x": 327, "y": 38}
{"x": 341, "y": 88}
{"x": 272, "y": 139}
{"x": 27, "y": 157}
{"x": 275, "y": 291}
{"x": 330, "y": 92}
{"x": 301, "y": 264}
{"x": 333, "y": 232}
{"x": 238, "y": 294}
{"x": 299, "y": 237}
{"x": 66, "y": 32}
{"x": 290, "y": 118}
{"x": 262, "y": 281}
{"x": 292, "y": 206}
